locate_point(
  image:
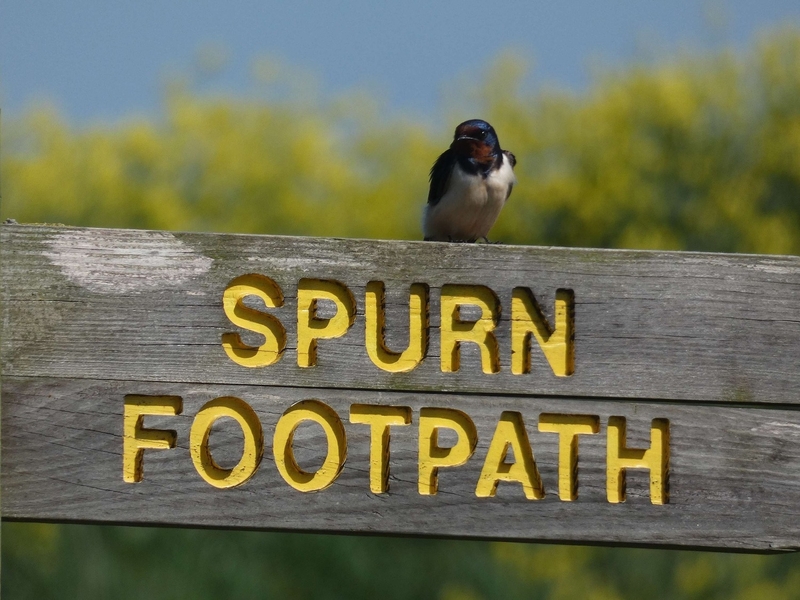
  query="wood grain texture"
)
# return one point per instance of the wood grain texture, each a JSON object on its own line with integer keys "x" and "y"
{"x": 147, "y": 306}
{"x": 710, "y": 342}
{"x": 734, "y": 472}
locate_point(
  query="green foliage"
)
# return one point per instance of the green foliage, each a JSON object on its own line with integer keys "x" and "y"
{"x": 699, "y": 153}
{"x": 138, "y": 562}
{"x": 702, "y": 153}
{"x": 87, "y": 562}
{"x": 222, "y": 165}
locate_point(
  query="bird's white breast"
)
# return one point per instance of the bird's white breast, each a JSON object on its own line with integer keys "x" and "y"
{"x": 470, "y": 206}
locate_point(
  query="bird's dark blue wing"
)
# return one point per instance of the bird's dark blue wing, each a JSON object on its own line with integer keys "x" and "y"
{"x": 440, "y": 176}
{"x": 511, "y": 158}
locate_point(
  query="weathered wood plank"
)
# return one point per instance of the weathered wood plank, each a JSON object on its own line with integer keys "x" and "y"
{"x": 734, "y": 471}
{"x": 710, "y": 343}
{"x": 147, "y": 306}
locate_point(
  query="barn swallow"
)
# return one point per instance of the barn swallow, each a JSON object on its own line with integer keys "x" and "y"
{"x": 470, "y": 183}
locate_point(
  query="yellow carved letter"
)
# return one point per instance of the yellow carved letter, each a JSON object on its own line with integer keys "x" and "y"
{"x": 568, "y": 427}
{"x": 310, "y": 328}
{"x": 252, "y": 451}
{"x": 282, "y": 446}
{"x": 454, "y": 331}
{"x": 620, "y": 457}
{"x": 396, "y": 362}
{"x": 379, "y": 418}
{"x": 557, "y": 343}
{"x": 510, "y": 434}
{"x": 253, "y": 320}
{"x": 136, "y": 439}
{"x": 431, "y": 455}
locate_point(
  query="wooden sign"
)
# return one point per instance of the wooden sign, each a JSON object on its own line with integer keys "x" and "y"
{"x": 485, "y": 391}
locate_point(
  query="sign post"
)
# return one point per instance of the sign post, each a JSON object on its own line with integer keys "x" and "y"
{"x": 478, "y": 391}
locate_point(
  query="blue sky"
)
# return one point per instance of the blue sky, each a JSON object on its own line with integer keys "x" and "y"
{"x": 106, "y": 59}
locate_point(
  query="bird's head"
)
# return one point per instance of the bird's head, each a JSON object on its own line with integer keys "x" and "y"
{"x": 476, "y": 139}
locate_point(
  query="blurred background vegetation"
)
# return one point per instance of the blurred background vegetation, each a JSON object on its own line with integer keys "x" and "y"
{"x": 698, "y": 152}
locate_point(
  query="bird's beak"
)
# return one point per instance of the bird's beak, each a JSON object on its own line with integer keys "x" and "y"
{"x": 465, "y": 144}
